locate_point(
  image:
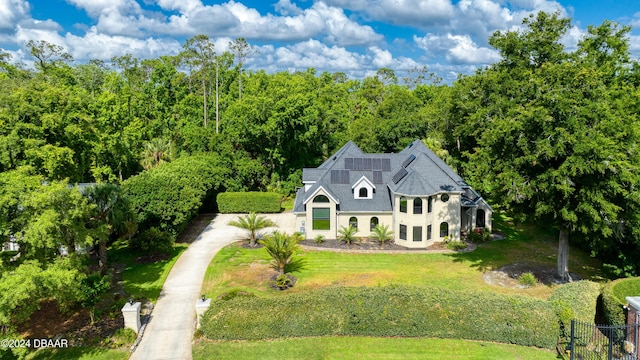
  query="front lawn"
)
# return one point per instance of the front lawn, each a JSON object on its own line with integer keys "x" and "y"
{"x": 235, "y": 267}
{"x": 335, "y": 347}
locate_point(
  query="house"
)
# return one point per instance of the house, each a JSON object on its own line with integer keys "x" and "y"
{"x": 414, "y": 192}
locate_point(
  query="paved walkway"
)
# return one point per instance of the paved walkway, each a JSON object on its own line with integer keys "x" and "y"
{"x": 169, "y": 332}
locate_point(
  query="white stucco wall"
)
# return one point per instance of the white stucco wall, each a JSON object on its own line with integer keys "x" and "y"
{"x": 364, "y": 221}
{"x": 448, "y": 212}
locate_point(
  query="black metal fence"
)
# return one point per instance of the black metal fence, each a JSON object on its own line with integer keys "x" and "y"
{"x": 603, "y": 342}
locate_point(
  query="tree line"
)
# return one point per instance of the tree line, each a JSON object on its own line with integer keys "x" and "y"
{"x": 546, "y": 134}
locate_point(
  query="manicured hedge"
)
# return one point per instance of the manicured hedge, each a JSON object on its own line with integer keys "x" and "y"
{"x": 248, "y": 202}
{"x": 614, "y": 298}
{"x": 575, "y": 301}
{"x": 386, "y": 311}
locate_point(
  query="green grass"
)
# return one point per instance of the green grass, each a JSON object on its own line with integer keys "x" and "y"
{"x": 237, "y": 268}
{"x": 80, "y": 353}
{"x": 247, "y": 269}
{"x": 365, "y": 348}
{"x": 144, "y": 280}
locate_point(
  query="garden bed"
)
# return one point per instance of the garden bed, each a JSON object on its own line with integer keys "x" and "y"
{"x": 371, "y": 245}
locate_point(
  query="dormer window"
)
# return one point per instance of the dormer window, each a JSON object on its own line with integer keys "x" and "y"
{"x": 363, "y": 189}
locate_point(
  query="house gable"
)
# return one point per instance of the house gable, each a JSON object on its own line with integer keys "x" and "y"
{"x": 363, "y": 189}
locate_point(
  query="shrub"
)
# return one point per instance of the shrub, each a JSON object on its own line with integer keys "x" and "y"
{"x": 252, "y": 223}
{"x": 527, "y": 279}
{"x": 479, "y": 235}
{"x": 456, "y": 245}
{"x": 283, "y": 281}
{"x": 576, "y": 300}
{"x": 386, "y": 311}
{"x": 153, "y": 241}
{"x": 248, "y": 202}
{"x": 347, "y": 234}
{"x": 382, "y": 233}
{"x": 614, "y": 298}
{"x": 234, "y": 294}
{"x": 319, "y": 239}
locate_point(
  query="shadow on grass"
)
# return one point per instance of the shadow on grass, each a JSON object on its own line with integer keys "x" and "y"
{"x": 525, "y": 243}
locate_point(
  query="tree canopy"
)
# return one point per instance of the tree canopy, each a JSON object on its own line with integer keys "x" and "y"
{"x": 552, "y": 135}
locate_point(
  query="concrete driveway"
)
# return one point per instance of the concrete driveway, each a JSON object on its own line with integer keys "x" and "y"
{"x": 169, "y": 332}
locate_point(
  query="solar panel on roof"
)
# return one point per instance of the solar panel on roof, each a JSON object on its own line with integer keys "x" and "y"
{"x": 366, "y": 164}
{"x": 399, "y": 175}
{"x": 408, "y": 161}
{"x": 357, "y": 164}
{"x": 335, "y": 176}
{"x": 377, "y": 177}
{"x": 348, "y": 163}
{"x": 386, "y": 164}
{"x": 376, "y": 164}
{"x": 344, "y": 178}
{"x": 340, "y": 176}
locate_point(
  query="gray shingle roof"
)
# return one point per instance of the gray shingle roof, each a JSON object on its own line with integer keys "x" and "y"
{"x": 426, "y": 174}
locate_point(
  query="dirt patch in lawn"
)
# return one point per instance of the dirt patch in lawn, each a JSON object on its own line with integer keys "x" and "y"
{"x": 508, "y": 275}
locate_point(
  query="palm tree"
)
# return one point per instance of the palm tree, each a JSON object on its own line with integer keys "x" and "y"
{"x": 156, "y": 151}
{"x": 281, "y": 247}
{"x": 112, "y": 213}
{"x": 382, "y": 233}
{"x": 347, "y": 234}
{"x": 252, "y": 223}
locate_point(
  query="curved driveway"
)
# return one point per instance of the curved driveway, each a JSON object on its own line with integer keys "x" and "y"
{"x": 169, "y": 332}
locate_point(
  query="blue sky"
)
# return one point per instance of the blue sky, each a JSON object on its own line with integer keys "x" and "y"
{"x": 357, "y": 37}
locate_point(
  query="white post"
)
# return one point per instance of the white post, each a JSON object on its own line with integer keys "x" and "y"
{"x": 633, "y": 335}
{"x": 131, "y": 315}
{"x": 201, "y": 307}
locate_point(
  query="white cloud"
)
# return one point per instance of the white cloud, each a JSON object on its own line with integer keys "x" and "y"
{"x": 11, "y": 11}
{"x": 634, "y": 46}
{"x": 184, "y": 6}
{"x": 23, "y": 35}
{"x": 400, "y": 12}
{"x": 313, "y": 53}
{"x": 457, "y": 49}
{"x": 572, "y": 37}
{"x": 382, "y": 58}
{"x": 94, "y": 45}
{"x": 97, "y": 8}
{"x": 286, "y": 7}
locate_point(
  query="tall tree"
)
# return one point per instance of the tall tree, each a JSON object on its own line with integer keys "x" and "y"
{"x": 241, "y": 49}
{"x": 47, "y": 54}
{"x": 200, "y": 50}
{"x": 58, "y": 220}
{"x": 541, "y": 133}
